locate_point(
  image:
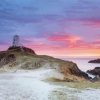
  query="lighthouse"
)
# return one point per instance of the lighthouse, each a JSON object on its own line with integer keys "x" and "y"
{"x": 16, "y": 41}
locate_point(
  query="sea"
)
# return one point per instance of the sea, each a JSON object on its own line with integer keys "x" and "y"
{"x": 83, "y": 64}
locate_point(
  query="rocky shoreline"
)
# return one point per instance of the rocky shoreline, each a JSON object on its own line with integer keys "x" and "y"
{"x": 16, "y": 58}
{"x": 27, "y": 59}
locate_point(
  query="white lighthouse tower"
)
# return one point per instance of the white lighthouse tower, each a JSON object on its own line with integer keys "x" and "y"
{"x": 16, "y": 41}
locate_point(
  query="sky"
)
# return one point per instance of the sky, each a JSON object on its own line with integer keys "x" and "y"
{"x": 59, "y": 28}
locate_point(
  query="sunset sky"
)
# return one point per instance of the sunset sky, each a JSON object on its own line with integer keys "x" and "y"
{"x": 60, "y": 28}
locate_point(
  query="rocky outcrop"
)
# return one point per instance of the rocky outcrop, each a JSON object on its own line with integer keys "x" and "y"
{"x": 96, "y": 79}
{"x": 21, "y": 49}
{"x": 26, "y": 58}
{"x": 5, "y": 59}
{"x": 11, "y": 54}
{"x": 95, "y": 71}
{"x": 95, "y": 61}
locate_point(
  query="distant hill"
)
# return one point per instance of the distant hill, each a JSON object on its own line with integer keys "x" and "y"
{"x": 26, "y": 58}
{"x": 95, "y": 61}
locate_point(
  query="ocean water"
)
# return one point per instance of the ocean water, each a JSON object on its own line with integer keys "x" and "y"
{"x": 82, "y": 63}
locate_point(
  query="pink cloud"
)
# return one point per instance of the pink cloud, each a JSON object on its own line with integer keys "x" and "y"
{"x": 96, "y": 42}
{"x": 64, "y": 38}
{"x": 94, "y": 23}
{"x": 63, "y": 45}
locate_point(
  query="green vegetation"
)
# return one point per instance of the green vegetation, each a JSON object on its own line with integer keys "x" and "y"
{"x": 84, "y": 85}
{"x": 77, "y": 85}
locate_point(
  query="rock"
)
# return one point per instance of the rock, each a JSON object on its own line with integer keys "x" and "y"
{"x": 10, "y": 55}
{"x": 95, "y": 71}
{"x": 21, "y": 49}
{"x": 95, "y": 79}
{"x": 72, "y": 72}
{"x": 94, "y": 61}
{"x": 26, "y": 58}
{"x": 7, "y": 59}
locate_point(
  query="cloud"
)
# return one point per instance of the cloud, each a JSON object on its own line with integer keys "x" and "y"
{"x": 53, "y": 27}
{"x": 65, "y": 38}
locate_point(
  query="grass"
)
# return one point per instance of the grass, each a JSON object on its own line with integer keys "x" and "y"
{"x": 61, "y": 95}
{"x": 77, "y": 85}
{"x": 85, "y": 85}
